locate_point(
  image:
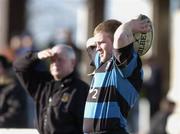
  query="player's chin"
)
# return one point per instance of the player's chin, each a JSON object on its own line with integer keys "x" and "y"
{"x": 104, "y": 59}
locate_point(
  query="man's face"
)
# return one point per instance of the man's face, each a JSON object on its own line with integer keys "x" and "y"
{"x": 104, "y": 45}
{"x": 61, "y": 65}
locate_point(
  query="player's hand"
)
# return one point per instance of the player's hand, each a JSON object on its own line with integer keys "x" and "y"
{"x": 137, "y": 25}
{"x": 90, "y": 42}
{"x": 44, "y": 54}
{"x": 124, "y": 34}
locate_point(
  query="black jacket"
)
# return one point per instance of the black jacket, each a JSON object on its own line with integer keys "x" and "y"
{"x": 12, "y": 106}
{"x": 59, "y": 104}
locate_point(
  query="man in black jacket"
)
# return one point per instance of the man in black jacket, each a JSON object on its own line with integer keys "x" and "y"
{"x": 12, "y": 98}
{"x": 60, "y": 96}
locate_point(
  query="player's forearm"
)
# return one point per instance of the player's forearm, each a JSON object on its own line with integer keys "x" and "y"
{"x": 123, "y": 36}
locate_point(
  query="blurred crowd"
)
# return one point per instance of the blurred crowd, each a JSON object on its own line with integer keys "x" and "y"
{"x": 17, "y": 109}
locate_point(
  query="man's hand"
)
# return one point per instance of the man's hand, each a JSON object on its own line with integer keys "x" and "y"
{"x": 44, "y": 54}
{"x": 124, "y": 33}
{"x": 139, "y": 26}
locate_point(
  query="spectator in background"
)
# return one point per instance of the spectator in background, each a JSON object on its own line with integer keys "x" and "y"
{"x": 59, "y": 95}
{"x": 64, "y": 36}
{"x": 15, "y": 45}
{"x": 152, "y": 84}
{"x": 27, "y": 43}
{"x": 20, "y": 44}
{"x": 13, "y": 112}
{"x": 159, "y": 119}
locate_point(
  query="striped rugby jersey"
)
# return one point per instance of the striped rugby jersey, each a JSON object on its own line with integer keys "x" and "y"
{"x": 113, "y": 92}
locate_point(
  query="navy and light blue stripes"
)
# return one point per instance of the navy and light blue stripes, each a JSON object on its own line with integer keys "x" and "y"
{"x": 112, "y": 94}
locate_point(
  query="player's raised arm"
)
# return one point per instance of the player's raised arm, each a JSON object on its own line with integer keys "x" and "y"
{"x": 124, "y": 33}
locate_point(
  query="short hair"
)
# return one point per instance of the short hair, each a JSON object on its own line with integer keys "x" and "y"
{"x": 108, "y": 26}
{"x": 68, "y": 50}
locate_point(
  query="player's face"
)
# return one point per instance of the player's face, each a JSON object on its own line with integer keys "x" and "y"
{"x": 60, "y": 66}
{"x": 104, "y": 45}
